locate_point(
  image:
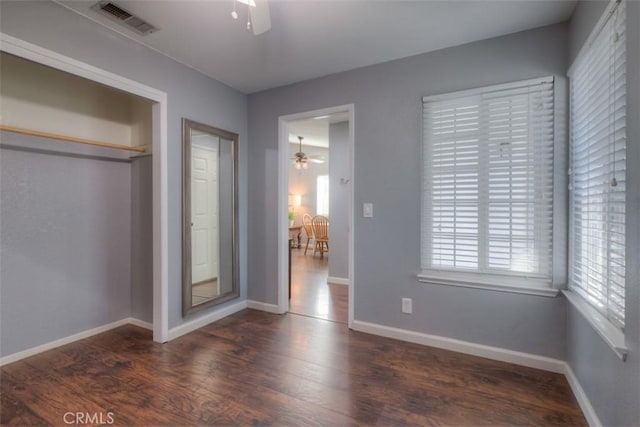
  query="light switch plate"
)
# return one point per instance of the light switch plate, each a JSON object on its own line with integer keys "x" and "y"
{"x": 367, "y": 210}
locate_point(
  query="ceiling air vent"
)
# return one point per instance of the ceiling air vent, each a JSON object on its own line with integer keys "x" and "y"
{"x": 124, "y": 18}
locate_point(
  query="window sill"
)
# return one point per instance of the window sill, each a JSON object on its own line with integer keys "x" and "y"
{"x": 613, "y": 336}
{"x": 528, "y": 286}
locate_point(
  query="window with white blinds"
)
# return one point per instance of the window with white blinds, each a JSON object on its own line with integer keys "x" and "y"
{"x": 598, "y": 159}
{"x": 488, "y": 182}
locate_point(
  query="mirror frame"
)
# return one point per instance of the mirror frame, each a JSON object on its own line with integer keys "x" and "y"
{"x": 187, "y": 296}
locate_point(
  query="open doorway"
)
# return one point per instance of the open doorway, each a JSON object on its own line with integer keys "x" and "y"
{"x": 316, "y": 202}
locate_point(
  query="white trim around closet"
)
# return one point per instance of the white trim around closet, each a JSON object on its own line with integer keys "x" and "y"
{"x": 32, "y": 52}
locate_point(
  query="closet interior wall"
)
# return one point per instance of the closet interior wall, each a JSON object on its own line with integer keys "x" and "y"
{"x": 75, "y": 220}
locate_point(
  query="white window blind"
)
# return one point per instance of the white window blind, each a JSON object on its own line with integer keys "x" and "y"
{"x": 598, "y": 159}
{"x": 488, "y": 181}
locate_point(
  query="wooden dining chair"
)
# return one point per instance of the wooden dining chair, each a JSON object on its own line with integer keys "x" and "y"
{"x": 320, "y": 225}
{"x": 308, "y": 229}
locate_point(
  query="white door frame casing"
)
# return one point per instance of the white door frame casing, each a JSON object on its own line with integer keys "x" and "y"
{"x": 34, "y": 53}
{"x": 283, "y": 192}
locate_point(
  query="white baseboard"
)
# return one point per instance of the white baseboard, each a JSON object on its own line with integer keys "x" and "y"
{"x": 263, "y": 306}
{"x": 495, "y": 353}
{"x": 62, "y": 341}
{"x": 338, "y": 280}
{"x": 173, "y": 333}
{"x": 140, "y": 323}
{"x": 192, "y": 325}
{"x": 581, "y": 397}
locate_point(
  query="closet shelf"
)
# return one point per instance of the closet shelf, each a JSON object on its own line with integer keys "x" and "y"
{"x": 70, "y": 139}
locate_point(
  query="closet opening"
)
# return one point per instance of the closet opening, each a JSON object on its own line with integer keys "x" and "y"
{"x": 80, "y": 217}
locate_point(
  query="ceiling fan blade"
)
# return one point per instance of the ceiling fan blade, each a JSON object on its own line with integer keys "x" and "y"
{"x": 315, "y": 160}
{"x": 260, "y": 17}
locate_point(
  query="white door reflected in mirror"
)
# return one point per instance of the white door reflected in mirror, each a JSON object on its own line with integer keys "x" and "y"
{"x": 204, "y": 217}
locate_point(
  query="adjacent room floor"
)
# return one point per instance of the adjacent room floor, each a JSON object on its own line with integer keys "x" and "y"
{"x": 256, "y": 368}
{"x": 311, "y": 295}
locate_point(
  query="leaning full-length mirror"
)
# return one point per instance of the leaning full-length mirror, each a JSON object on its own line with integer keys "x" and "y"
{"x": 209, "y": 215}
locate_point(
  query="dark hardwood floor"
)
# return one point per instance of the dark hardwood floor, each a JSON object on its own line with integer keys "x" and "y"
{"x": 255, "y": 368}
{"x": 311, "y": 295}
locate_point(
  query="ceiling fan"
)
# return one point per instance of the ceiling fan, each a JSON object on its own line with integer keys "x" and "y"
{"x": 258, "y": 16}
{"x": 301, "y": 160}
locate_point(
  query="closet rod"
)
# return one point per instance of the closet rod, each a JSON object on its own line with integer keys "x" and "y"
{"x": 70, "y": 138}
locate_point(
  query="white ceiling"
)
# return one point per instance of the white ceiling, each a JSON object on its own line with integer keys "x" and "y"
{"x": 314, "y": 38}
{"x": 315, "y": 131}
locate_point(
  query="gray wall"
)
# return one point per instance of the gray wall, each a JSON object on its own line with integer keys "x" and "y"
{"x": 613, "y": 386}
{"x": 387, "y": 157}
{"x": 142, "y": 238}
{"x": 65, "y": 248}
{"x": 190, "y": 94}
{"x": 339, "y": 200}
{"x": 584, "y": 18}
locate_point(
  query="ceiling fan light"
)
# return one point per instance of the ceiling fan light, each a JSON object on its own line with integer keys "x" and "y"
{"x": 234, "y": 14}
{"x": 301, "y": 158}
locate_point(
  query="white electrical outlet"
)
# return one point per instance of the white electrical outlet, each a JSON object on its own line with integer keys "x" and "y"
{"x": 407, "y": 305}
